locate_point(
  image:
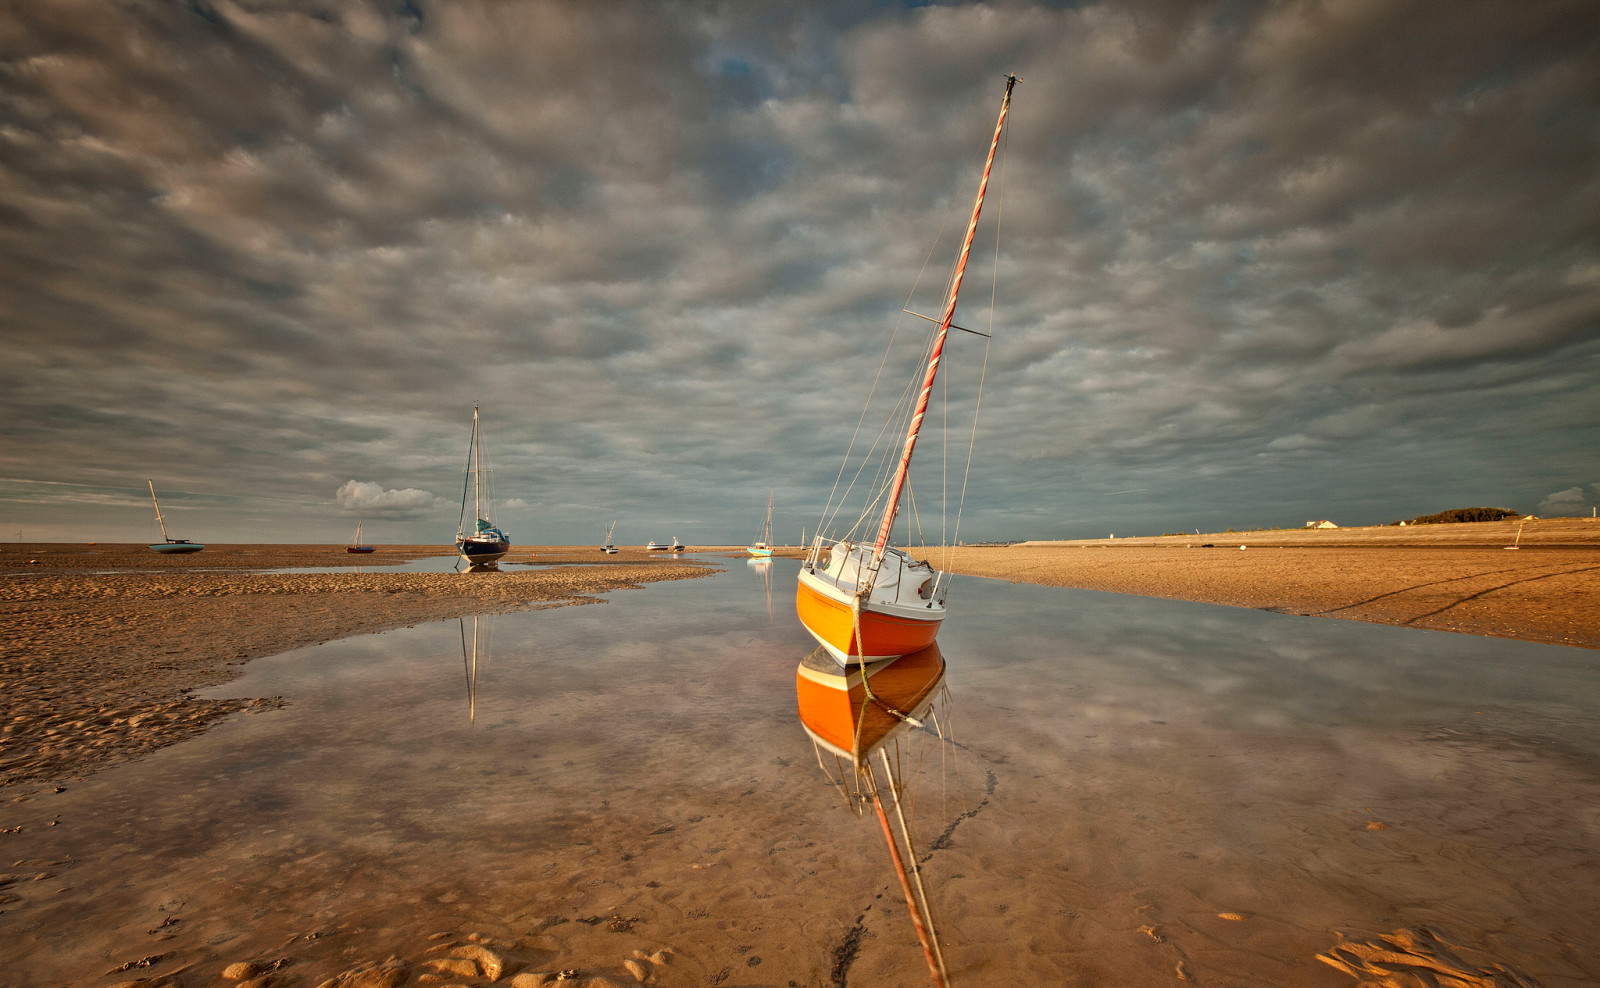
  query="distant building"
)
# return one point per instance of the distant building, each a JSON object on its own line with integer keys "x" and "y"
{"x": 1324, "y": 523}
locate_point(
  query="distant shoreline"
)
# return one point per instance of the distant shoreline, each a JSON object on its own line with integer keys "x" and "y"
{"x": 1450, "y": 577}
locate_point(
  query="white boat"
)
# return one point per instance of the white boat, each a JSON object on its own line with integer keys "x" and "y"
{"x": 484, "y": 543}
{"x": 169, "y": 546}
{"x": 762, "y": 547}
{"x": 673, "y": 546}
{"x": 862, "y": 599}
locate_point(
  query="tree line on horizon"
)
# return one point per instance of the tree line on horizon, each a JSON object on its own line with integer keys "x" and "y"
{"x": 1464, "y": 514}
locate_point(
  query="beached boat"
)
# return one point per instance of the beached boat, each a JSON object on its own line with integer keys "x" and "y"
{"x": 763, "y": 545}
{"x": 865, "y": 600}
{"x": 168, "y": 545}
{"x": 355, "y": 543}
{"x": 858, "y": 713}
{"x": 484, "y": 543}
{"x": 673, "y": 546}
{"x": 609, "y": 548}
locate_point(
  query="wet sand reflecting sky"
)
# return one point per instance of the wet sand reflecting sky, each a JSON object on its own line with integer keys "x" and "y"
{"x": 1140, "y": 787}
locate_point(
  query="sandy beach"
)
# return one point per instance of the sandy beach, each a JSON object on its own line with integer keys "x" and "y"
{"x": 1440, "y": 577}
{"x": 104, "y": 646}
{"x": 101, "y": 645}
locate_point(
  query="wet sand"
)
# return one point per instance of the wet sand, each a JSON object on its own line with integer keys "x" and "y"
{"x": 1441, "y": 577}
{"x": 101, "y": 645}
{"x": 1110, "y": 871}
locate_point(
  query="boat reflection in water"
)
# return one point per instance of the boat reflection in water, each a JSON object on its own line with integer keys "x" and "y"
{"x": 475, "y": 645}
{"x": 860, "y": 715}
{"x": 764, "y": 567}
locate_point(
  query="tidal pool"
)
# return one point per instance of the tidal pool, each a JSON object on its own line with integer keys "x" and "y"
{"x": 1138, "y": 790}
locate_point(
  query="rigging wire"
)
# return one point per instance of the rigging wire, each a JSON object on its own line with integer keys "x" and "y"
{"x": 829, "y": 510}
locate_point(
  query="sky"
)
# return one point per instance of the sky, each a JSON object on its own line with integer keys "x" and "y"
{"x": 1242, "y": 264}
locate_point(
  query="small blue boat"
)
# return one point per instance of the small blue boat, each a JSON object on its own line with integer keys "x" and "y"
{"x": 169, "y": 546}
{"x": 355, "y": 543}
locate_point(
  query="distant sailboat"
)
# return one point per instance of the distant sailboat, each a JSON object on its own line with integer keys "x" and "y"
{"x": 609, "y": 548}
{"x": 485, "y": 543}
{"x": 355, "y": 543}
{"x": 863, "y": 599}
{"x": 169, "y": 546}
{"x": 763, "y": 546}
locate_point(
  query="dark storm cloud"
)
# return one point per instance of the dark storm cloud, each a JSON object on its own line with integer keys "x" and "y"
{"x": 1264, "y": 261}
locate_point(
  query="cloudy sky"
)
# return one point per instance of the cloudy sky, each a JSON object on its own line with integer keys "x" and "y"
{"x": 1256, "y": 263}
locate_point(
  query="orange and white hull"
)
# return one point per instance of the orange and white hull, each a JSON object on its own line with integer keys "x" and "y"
{"x": 883, "y": 630}
{"x": 835, "y": 710}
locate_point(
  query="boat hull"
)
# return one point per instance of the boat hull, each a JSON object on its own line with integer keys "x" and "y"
{"x": 826, "y": 612}
{"x": 761, "y": 553}
{"x": 480, "y": 551}
{"x": 360, "y": 548}
{"x": 176, "y": 548}
{"x": 836, "y": 713}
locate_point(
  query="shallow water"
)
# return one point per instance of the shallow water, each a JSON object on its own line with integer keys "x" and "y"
{"x": 1127, "y": 771}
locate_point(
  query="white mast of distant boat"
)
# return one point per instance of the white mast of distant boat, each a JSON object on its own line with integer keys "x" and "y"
{"x": 477, "y": 472}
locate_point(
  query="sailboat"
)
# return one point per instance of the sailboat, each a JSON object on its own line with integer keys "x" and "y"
{"x": 168, "y": 545}
{"x": 867, "y": 601}
{"x": 763, "y": 547}
{"x": 856, "y": 714}
{"x": 609, "y": 548}
{"x": 355, "y": 543}
{"x": 485, "y": 543}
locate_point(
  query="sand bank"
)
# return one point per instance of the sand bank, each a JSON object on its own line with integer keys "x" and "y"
{"x": 100, "y": 645}
{"x": 1439, "y": 577}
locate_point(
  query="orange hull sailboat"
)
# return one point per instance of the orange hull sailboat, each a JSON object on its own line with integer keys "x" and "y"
{"x": 868, "y": 601}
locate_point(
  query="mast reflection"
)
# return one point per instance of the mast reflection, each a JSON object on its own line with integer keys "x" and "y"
{"x": 473, "y": 647}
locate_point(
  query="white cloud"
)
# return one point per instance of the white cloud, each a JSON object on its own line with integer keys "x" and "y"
{"x": 1563, "y": 503}
{"x": 366, "y": 497}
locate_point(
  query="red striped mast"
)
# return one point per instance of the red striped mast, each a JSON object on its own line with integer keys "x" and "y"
{"x": 893, "y": 507}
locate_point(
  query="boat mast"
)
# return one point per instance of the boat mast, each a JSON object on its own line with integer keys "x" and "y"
{"x": 766, "y": 534}
{"x": 153, "y": 501}
{"x": 893, "y": 507}
{"x": 477, "y": 474}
